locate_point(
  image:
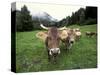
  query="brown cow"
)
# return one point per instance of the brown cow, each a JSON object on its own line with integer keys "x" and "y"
{"x": 70, "y": 38}
{"x": 52, "y": 41}
{"x": 77, "y": 34}
{"x": 90, "y": 34}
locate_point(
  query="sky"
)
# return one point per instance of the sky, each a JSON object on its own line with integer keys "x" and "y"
{"x": 57, "y": 11}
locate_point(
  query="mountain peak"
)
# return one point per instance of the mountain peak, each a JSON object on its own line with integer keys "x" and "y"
{"x": 43, "y": 15}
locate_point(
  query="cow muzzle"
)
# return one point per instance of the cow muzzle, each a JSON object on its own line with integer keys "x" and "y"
{"x": 72, "y": 41}
{"x": 54, "y": 51}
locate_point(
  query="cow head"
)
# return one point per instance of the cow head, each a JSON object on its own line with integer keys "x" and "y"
{"x": 67, "y": 36}
{"x": 52, "y": 41}
{"x": 71, "y": 36}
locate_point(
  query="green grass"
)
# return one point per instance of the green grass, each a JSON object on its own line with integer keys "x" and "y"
{"x": 31, "y": 54}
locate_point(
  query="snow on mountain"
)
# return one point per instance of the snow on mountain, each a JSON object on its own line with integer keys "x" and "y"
{"x": 43, "y": 16}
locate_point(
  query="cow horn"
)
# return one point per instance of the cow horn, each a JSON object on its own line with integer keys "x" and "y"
{"x": 44, "y": 27}
{"x": 62, "y": 28}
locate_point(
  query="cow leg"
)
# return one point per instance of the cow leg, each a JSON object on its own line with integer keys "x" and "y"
{"x": 69, "y": 46}
{"x": 66, "y": 46}
{"x": 54, "y": 59}
{"x": 77, "y": 38}
{"x": 49, "y": 59}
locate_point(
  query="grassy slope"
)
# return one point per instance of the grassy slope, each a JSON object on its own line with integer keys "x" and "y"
{"x": 31, "y": 54}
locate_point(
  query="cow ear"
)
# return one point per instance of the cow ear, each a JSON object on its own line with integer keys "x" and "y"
{"x": 63, "y": 34}
{"x": 42, "y": 35}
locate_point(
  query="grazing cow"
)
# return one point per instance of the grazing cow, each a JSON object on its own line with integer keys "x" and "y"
{"x": 52, "y": 41}
{"x": 77, "y": 33}
{"x": 90, "y": 34}
{"x": 68, "y": 37}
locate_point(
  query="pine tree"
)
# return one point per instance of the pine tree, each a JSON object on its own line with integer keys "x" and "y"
{"x": 81, "y": 16}
{"x": 26, "y": 19}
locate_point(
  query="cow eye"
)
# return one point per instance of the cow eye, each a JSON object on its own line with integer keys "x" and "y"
{"x": 49, "y": 38}
{"x": 51, "y": 51}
